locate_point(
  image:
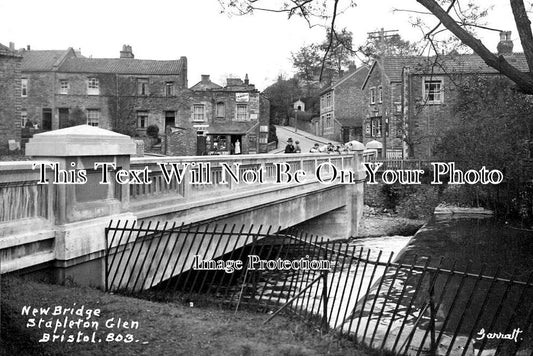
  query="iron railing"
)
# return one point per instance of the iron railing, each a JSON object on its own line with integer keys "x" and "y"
{"x": 420, "y": 307}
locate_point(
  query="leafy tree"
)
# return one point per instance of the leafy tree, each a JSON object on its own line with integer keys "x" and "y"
{"x": 382, "y": 45}
{"x": 491, "y": 133}
{"x": 281, "y": 95}
{"x": 461, "y": 18}
{"x": 77, "y": 117}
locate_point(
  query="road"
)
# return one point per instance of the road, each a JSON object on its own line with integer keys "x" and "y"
{"x": 306, "y": 139}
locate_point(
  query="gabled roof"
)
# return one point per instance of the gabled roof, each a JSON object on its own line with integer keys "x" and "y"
{"x": 36, "y": 61}
{"x": 362, "y": 71}
{"x": 122, "y": 66}
{"x": 392, "y": 66}
{"x": 203, "y": 86}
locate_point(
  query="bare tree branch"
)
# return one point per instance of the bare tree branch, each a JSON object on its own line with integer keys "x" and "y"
{"x": 523, "y": 24}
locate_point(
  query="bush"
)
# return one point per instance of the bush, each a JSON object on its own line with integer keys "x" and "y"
{"x": 152, "y": 131}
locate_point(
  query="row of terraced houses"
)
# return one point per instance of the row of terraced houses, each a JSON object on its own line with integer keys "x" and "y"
{"x": 52, "y": 89}
{"x": 401, "y": 105}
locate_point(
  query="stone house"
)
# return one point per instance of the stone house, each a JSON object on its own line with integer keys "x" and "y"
{"x": 341, "y": 107}
{"x": 125, "y": 94}
{"x": 229, "y": 119}
{"x": 10, "y": 96}
{"x": 409, "y": 100}
{"x": 382, "y": 108}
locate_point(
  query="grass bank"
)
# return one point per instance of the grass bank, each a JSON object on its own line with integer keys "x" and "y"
{"x": 155, "y": 328}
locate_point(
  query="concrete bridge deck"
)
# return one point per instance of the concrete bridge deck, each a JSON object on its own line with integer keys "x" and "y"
{"x": 61, "y": 226}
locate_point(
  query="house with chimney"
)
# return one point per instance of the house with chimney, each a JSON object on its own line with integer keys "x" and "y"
{"x": 63, "y": 88}
{"x": 341, "y": 107}
{"x": 230, "y": 119}
{"x": 10, "y": 88}
{"x": 409, "y": 100}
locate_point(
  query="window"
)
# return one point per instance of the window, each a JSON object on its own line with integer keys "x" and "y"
{"x": 63, "y": 87}
{"x": 242, "y": 112}
{"x": 380, "y": 94}
{"x": 326, "y": 100}
{"x": 373, "y": 127}
{"x": 142, "y": 119}
{"x": 433, "y": 91}
{"x": 24, "y": 87}
{"x": 23, "y": 118}
{"x": 198, "y": 113}
{"x": 372, "y": 95}
{"x": 376, "y": 127}
{"x": 93, "y": 86}
{"x": 142, "y": 86}
{"x": 93, "y": 117}
{"x": 221, "y": 110}
{"x": 169, "y": 88}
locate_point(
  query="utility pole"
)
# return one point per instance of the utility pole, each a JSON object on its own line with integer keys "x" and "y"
{"x": 381, "y": 35}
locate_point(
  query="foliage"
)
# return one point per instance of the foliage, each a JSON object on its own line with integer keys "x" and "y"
{"x": 77, "y": 117}
{"x": 152, "y": 131}
{"x": 494, "y": 131}
{"x": 272, "y": 136}
{"x": 383, "y": 45}
{"x": 122, "y": 105}
{"x": 326, "y": 60}
{"x": 281, "y": 95}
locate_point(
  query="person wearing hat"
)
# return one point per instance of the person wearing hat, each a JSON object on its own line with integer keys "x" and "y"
{"x": 314, "y": 149}
{"x": 289, "y": 148}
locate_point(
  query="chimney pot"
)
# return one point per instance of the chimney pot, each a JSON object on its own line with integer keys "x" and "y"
{"x": 505, "y": 46}
{"x": 205, "y": 78}
{"x": 126, "y": 52}
{"x": 28, "y": 47}
{"x": 12, "y": 46}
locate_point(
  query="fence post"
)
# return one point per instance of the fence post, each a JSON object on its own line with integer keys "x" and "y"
{"x": 325, "y": 325}
{"x": 432, "y": 348}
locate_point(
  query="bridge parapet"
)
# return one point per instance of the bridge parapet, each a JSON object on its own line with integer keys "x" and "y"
{"x": 63, "y": 224}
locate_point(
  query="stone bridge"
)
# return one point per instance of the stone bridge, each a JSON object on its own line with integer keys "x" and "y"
{"x": 55, "y": 208}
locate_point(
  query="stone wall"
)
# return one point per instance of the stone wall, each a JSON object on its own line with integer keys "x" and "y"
{"x": 9, "y": 100}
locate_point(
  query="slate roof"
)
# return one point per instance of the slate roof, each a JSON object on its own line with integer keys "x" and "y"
{"x": 466, "y": 63}
{"x": 122, "y": 66}
{"x": 202, "y": 86}
{"x": 41, "y": 60}
{"x": 362, "y": 71}
{"x": 5, "y": 51}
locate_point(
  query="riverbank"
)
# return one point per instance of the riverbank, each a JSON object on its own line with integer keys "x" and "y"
{"x": 381, "y": 222}
{"x": 120, "y": 325}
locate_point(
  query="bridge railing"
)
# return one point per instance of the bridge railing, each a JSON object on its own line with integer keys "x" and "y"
{"x": 21, "y": 197}
{"x": 218, "y": 175}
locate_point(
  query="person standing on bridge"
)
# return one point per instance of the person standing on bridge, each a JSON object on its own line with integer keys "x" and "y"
{"x": 297, "y": 148}
{"x": 289, "y": 148}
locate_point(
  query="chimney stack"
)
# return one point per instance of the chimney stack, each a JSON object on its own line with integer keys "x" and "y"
{"x": 126, "y": 52}
{"x": 205, "y": 78}
{"x": 352, "y": 66}
{"x": 28, "y": 47}
{"x": 505, "y": 46}
{"x": 12, "y": 46}
{"x": 246, "y": 81}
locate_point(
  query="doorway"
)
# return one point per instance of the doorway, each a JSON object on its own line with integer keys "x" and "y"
{"x": 201, "y": 146}
{"x": 63, "y": 118}
{"x": 47, "y": 119}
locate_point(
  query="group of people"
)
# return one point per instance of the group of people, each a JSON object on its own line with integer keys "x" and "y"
{"x": 292, "y": 148}
{"x": 329, "y": 148}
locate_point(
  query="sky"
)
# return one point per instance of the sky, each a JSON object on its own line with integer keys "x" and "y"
{"x": 213, "y": 41}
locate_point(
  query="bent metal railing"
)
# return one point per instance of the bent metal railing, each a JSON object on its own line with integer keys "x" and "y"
{"x": 415, "y": 307}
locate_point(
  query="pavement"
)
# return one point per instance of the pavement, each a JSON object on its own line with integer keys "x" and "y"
{"x": 306, "y": 139}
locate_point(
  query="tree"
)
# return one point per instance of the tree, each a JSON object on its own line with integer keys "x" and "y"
{"x": 307, "y": 61}
{"x": 457, "y": 18}
{"x": 491, "y": 133}
{"x": 281, "y": 95}
{"x": 383, "y": 45}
